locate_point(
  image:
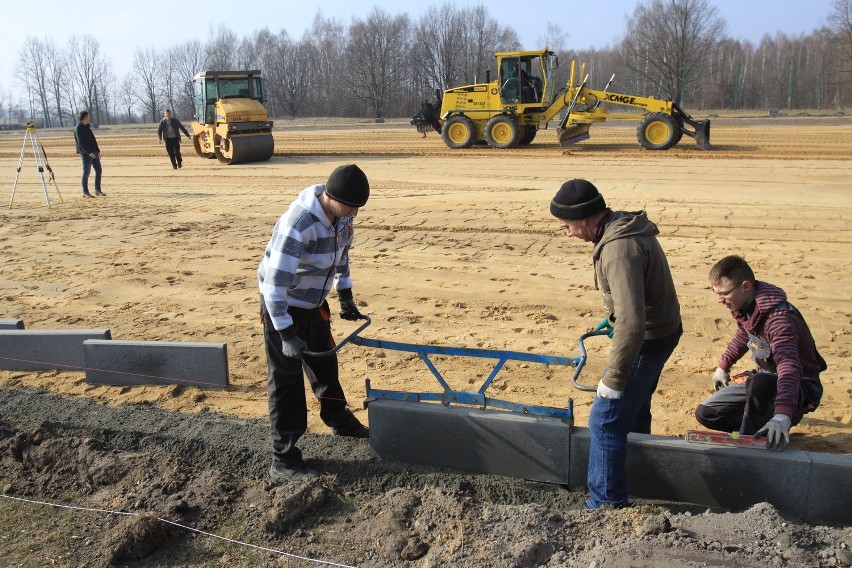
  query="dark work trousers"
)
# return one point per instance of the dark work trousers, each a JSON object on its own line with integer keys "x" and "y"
{"x": 173, "y": 148}
{"x": 288, "y": 411}
{"x": 742, "y": 407}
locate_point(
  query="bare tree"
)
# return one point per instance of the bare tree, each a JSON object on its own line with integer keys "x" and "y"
{"x": 170, "y": 89}
{"x": 376, "y": 58}
{"x": 106, "y": 97}
{"x": 292, "y": 73}
{"x": 127, "y": 98}
{"x": 667, "y": 41}
{"x": 455, "y": 46}
{"x": 439, "y": 50}
{"x": 146, "y": 68}
{"x": 219, "y": 51}
{"x": 32, "y": 71}
{"x": 57, "y": 77}
{"x": 87, "y": 66}
{"x": 484, "y": 37}
{"x": 553, "y": 38}
{"x": 188, "y": 60}
{"x": 840, "y": 23}
{"x": 5, "y": 106}
{"x": 329, "y": 35}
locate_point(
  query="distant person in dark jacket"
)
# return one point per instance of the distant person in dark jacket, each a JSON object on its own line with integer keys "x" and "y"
{"x": 169, "y": 131}
{"x": 88, "y": 149}
{"x": 784, "y": 383}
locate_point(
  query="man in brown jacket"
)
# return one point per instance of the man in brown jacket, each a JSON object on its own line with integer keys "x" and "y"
{"x": 644, "y": 315}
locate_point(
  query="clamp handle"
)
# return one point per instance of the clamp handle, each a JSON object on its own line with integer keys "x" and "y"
{"x": 582, "y": 360}
{"x": 348, "y": 338}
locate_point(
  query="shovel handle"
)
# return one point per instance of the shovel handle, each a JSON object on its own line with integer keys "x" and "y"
{"x": 337, "y": 347}
{"x": 582, "y": 360}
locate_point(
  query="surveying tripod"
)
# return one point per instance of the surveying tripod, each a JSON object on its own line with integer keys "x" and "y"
{"x": 41, "y": 163}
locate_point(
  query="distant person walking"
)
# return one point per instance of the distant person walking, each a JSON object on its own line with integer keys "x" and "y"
{"x": 87, "y": 147}
{"x": 169, "y": 131}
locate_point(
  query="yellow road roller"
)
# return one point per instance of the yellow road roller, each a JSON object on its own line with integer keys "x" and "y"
{"x": 231, "y": 123}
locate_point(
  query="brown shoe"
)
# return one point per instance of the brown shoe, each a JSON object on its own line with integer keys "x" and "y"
{"x": 100, "y": 193}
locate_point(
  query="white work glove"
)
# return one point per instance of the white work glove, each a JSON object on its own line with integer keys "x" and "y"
{"x": 721, "y": 378}
{"x": 777, "y": 432}
{"x": 606, "y": 392}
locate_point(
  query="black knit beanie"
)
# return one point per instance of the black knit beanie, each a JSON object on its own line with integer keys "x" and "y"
{"x": 577, "y": 199}
{"x": 348, "y": 185}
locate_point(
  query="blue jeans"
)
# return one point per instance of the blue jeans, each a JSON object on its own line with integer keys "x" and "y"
{"x": 88, "y": 164}
{"x": 611, "y": 420}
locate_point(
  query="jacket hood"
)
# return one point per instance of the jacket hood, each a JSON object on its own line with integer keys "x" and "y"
{"x": 628, "y": 224}
{"x": 309, "y": 199}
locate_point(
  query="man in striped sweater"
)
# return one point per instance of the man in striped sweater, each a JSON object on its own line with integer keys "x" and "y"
{"x": 784, "y": 385}
{"x": 306, "y": 257}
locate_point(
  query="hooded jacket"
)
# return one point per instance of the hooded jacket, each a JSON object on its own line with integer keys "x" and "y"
{"x": 780, "y": 341}
{"x": 633, "y": 274}
{"x": 306, "y": 256}
{"x": 85, "y": 139}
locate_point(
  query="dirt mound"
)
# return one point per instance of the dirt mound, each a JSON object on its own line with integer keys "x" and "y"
{"x": 152, "y": 464}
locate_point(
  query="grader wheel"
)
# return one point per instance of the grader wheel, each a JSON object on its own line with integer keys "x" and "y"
{"x": 658, "y": 131}
{"x": 502, "y": 131}
{"x": 528, "y": 135}
{"x": 458, "y": 132}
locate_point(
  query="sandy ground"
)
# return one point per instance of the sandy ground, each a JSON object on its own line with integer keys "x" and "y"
{"x": 454, "y": 248}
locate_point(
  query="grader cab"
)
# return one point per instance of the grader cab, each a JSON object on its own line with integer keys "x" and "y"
{"x": 509, "y": 111}
{"x": 231, "y": 123}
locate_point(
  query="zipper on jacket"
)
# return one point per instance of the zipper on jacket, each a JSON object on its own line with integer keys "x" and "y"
{"x": 333, "y": 263}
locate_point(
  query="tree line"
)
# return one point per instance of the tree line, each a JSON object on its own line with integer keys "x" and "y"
{"x": 386, "y": 65}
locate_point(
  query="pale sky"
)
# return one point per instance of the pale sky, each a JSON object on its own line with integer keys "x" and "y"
{"x": 122, "y": 26}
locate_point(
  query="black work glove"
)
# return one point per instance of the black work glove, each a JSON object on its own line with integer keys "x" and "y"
{"x": 348, "y": 309}
{"x": 291, "y": 344}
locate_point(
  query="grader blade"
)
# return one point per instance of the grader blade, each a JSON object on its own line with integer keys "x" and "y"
{"x": 702, "y": 134}
{"x": 573, "y": 134}
{"x": 700, "y": 128}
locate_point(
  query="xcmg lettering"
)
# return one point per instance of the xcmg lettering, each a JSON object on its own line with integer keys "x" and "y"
{"x": 623, "y": 99}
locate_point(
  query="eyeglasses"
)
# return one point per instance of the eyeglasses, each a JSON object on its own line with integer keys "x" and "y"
{"x": 726, "y": 292}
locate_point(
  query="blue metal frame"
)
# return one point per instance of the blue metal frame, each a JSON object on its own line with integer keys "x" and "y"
{"x": 478, "y": 398}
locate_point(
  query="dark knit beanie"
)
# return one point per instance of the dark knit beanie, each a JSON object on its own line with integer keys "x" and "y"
{"x": 348, "y": 185}
{"x": 577, "y": 199}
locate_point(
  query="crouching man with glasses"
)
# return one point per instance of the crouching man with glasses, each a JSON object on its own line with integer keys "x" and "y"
{"x": 784, "y": 384}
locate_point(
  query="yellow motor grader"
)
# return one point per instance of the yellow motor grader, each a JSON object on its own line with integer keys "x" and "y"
{"x": 509, "y": 111}
{"x": 231, "y": 123}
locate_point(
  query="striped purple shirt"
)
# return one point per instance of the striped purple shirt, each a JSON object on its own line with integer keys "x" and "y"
{"x": 793, "y": 352}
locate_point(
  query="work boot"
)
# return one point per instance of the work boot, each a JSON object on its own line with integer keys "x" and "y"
{"x": 299, "y": 472}
{"x": 87, "y": 194}
{"x": 99, "y": 192}
{"x": 356, "y": 430}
